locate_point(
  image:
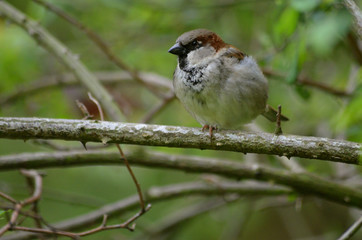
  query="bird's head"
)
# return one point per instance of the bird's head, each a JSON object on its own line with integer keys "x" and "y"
{"x": 196, "y": 47}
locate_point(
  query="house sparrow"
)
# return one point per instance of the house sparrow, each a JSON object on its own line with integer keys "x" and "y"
{"x": 220, "y": 86}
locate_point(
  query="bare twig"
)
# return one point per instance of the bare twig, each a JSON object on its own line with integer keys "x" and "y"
{"x": 352, "y": 230}
{"x": 102, "y": 227}
{"x": 139, "y": 191}
{"x": 84, "y": 110}
{"x": 98, "y": 105}
{"x": 154, "y": 194}
{"x": 34, "y": 207}
{"x": 100, "y": 43}
{"x": 300, "y": 181}
{"x": 357, "y": 15}
{"x": 7, "y": 197}
{"x": 20, "y": 204}
{"x": 183, "y": 215}
{"x": 308, "y": 82}
{"x": 138, "y": 187}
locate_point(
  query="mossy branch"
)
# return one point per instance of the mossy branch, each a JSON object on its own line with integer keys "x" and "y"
{"x": 181, "y": 137}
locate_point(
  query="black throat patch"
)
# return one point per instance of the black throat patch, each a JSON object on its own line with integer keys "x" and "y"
{"x": 194, "y": 76}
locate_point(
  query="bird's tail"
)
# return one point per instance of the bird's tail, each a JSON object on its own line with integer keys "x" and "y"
{"x": 271, "y": 114}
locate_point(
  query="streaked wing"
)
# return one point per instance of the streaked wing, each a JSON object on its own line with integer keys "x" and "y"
{"x": 235, "y": 53}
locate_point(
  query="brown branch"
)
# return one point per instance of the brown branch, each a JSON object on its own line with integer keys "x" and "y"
{"x": 102, "y": 227}
{"x": 7, "y": 197}
{"x": 138, "y": 187}
{"x": 34, "y": 207}
{"x": 84, "y": 110}
{"x": 301, "y": 181}
{"x": 303, "y": 80}
{"x": 98, "y": 105}
{"x": 158, "y": 229}
{"x": 20, "y": 204}
{"x": 155, "y": 194}
{"x": 100, "y": 43}
{"x": 139, "y": 191}
{"x": 12, "y": 225}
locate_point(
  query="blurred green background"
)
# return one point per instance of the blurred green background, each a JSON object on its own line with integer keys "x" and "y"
{"x": 310, "y": 38}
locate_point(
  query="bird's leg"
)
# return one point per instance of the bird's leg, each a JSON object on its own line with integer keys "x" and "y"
{"x": 211, "y": 129}
{"x": 205, "y": 127}
{"x": 278, "y": 130}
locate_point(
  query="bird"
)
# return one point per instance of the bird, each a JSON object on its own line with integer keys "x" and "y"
{"x": 219, "y": 85}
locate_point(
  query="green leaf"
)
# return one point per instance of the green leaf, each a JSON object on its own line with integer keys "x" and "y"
{"x": 294, "y": 70}
{"x": 292, "y": 197}
{"x": 297, "y": 62}
{"x": 305, "y": 5}
{"x": 302, "y": 91}
{"x": 287, "y": 23}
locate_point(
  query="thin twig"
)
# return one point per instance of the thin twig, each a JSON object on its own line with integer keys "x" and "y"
{"x": 352, "y": 230}
{"x": 139, "y": 191}
{"x": 84, "y": 110}
{"x": 154, "y": 194}
{"x": 7, "y": 197}
{"x": 98, "y": 105}
{"x": 34, "y": 207}
{"x": 138, "y": 187}
{"x": 302, "y": 181}
{"x": 19, "y": 205}
{"x": 308, "y": 82}
{"x": 183, "y": 215}
{"x": 99, "y": 42}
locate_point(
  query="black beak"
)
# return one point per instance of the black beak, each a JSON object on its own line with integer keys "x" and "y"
{"x": 177, "y": 49}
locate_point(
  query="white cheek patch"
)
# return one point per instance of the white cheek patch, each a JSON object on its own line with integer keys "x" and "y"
{"x": 200, "y": 56}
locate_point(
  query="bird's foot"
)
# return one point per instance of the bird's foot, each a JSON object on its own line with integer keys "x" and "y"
{"x": 211, "y": 129}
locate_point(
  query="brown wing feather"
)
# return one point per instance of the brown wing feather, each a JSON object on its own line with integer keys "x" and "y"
{"x": 234, "y": 52}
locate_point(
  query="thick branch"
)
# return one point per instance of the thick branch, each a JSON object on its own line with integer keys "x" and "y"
{"x": 357, "y": 15}
{"x": 160, "y": 194}
{"x": 70, "y": 60}
{"x": 301, "y": 182}
{"x": 182, "y": 137}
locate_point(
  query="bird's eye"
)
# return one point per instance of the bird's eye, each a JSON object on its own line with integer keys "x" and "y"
{"x": 194, "y": 43}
